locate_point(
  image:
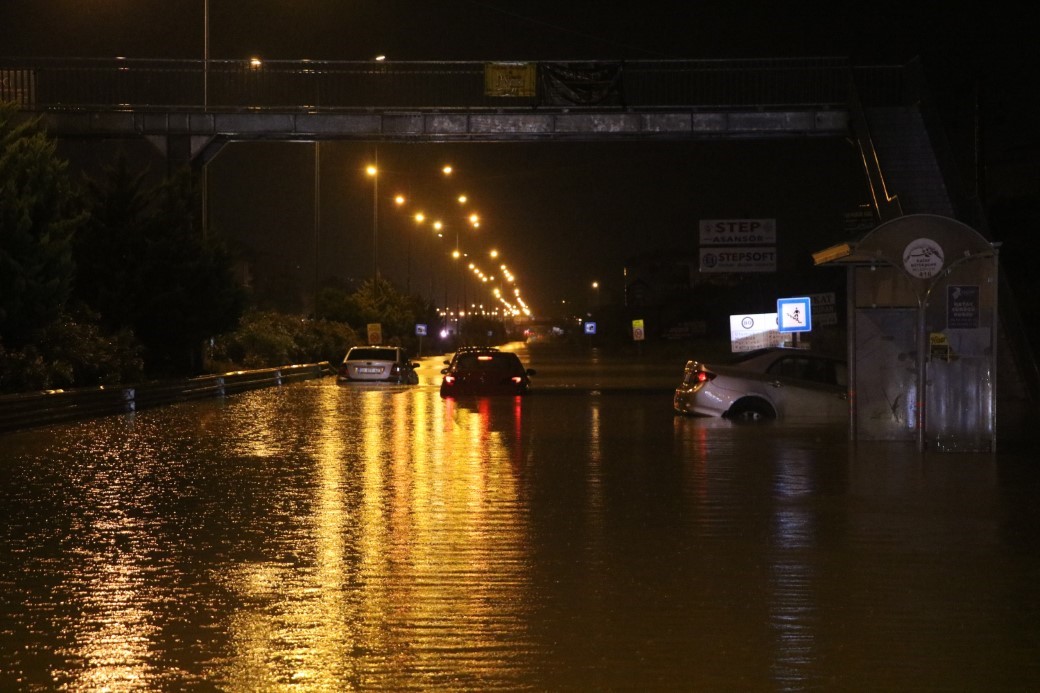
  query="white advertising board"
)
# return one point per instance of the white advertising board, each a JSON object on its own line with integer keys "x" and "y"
{"x": 754, "y": 331}
{"x": 760, "y": 259}
{"x": 738, "y": 231}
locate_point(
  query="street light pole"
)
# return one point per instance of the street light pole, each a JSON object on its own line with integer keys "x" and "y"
{"x": 205, "y": 55}
{"x": 373, "y": 171}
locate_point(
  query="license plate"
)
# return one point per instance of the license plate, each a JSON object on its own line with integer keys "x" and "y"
{"x": 363, "y": 369}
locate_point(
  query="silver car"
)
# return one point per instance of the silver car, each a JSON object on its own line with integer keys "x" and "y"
{"x": 370, "y": 364}
{"x": 767, "y": 384}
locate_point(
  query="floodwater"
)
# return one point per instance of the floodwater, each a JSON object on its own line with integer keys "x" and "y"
{"x": 325, "y": 537}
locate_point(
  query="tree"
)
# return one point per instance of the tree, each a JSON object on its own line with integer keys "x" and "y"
{"x": 145, "y": 265}
{"x": 378, "y": 301}
{"x": 38, "y": 217}
{"x": 187, "y": 291}
{"x": 110, "y": 246}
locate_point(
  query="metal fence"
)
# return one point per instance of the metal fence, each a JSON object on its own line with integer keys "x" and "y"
{"x": 311, "y": 86}
{"x": 56, "y": 406}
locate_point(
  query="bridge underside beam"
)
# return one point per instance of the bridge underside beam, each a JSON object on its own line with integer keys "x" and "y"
{"x": 440, "y": 126}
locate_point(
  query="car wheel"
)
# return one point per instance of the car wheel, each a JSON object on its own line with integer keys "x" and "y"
{"x": 751, "y": 410}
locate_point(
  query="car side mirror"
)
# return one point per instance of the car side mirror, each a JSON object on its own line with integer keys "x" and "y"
{"x": 444, "y": 371}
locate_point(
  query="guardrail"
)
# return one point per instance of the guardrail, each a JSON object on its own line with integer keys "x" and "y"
{"x": 57, "y": 406}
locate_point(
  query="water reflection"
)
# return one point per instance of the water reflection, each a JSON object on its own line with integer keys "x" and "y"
{"x": 322, "y": 537}
{"x": 412, "y": 557}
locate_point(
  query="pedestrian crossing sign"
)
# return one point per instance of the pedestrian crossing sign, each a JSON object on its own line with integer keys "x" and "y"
{"x": 794, "y": 314}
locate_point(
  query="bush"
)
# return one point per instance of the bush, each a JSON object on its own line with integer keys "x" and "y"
{"x": 71, "y": 353}
{"x": 269, "y": 340}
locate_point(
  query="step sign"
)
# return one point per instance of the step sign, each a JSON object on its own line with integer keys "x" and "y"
{"x": 794, "y": 314}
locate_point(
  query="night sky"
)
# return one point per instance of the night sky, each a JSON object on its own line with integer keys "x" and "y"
{"x": 561, "y": 214}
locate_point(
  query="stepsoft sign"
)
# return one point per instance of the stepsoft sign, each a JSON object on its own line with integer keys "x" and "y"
{"x": 738, "y": 259}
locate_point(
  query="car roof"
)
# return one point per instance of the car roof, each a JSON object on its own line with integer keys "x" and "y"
{"x": 469, "y": 349}
{"x": 749, "y": 355}
{"x": 373, "y": 352}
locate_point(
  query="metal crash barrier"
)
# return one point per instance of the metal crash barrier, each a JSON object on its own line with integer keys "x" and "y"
{"x": 56, "y": 406}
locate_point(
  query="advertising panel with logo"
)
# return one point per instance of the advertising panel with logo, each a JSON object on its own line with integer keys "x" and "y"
{"x": 738, "y": 245}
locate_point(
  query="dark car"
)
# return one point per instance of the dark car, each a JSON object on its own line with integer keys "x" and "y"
{"x": 485, "y": 372}
{"x": 377, "y": 364}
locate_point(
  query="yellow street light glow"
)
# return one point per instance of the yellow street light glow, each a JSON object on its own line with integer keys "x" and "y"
{"x": 493, "y": 253}
{"x": 456, "y": 254}
{"x": 462, "y": 199}
{"x": 474, "y": 219}
{"x": 255, "y": 63}
{"x": 399, "y": 200}
{"x": 371, "y": 170}
{"x": 420, "y": 217}
{"x": 447, "y": 169}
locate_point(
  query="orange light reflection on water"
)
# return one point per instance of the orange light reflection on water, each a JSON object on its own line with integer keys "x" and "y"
{"x": 418, "y": 550}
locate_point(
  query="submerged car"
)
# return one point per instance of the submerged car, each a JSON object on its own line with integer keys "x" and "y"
{"x": 485, "y": 372}
{"x": 766, "y": 384}
{"x": 377, "y": 364}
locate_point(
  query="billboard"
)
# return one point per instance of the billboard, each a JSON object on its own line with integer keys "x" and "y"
{"x": 738, "y": 231}
{"x": 751, "y": 259}
{"x": 752, "y": 331}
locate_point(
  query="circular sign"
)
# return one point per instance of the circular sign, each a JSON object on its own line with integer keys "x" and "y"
{"x": 747, "y": 323}
{"x": 923, "y": 258}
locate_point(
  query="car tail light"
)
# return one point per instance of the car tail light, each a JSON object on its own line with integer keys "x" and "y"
{"x": 517, "y": 379}
{"x": 704, "y": 376}
{"x": 449, "y": 380}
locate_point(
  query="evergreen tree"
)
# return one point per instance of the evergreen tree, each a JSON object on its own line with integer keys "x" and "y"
{"x": 144, "y": 265}
{"x": 186, "y": 289}
{"x": 110, "y": 246}
{"x": 38, "y": 216}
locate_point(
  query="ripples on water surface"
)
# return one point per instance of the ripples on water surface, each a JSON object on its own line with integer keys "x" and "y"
{"x": 320, "y": 537}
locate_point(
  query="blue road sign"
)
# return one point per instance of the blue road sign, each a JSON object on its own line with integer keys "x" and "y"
{"x": 794, "y": 314}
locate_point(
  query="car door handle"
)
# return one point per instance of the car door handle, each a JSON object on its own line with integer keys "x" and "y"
{"x": 776, "y": 383}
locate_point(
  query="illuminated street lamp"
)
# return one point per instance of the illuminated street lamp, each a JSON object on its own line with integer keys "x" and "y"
{"x": 419, "y": 218}
{"x": 372, "y": 170}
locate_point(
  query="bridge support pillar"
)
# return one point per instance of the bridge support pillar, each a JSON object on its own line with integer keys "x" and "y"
{"x": 186, "y": 150}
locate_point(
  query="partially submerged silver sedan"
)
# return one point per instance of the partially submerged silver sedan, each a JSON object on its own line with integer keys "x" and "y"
{"x": 377, "y": 364}
{"x": 767, "y": 384}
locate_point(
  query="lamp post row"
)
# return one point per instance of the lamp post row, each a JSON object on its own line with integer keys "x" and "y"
{"x": 374, "y": 172}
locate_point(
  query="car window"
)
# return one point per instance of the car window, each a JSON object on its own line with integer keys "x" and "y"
{"x": 372, "y": 355}
{"x": 489, "y": 361}
{"x": 806, "y": 368}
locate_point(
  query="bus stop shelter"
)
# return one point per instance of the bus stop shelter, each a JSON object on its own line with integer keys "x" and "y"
{"x": 922, "y": 333}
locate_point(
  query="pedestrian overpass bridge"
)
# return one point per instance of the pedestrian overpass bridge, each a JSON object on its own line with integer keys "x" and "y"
{"x": 190, "y": 108}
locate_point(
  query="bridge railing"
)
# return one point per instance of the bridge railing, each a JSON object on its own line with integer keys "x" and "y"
{"x": 299, "y": 85}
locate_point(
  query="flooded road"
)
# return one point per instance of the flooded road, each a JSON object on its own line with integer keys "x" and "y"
{"x": 325, "y": 537}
